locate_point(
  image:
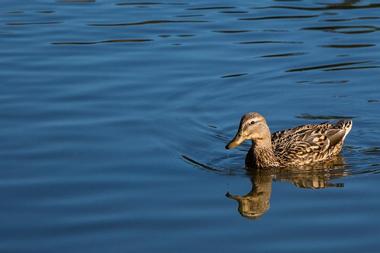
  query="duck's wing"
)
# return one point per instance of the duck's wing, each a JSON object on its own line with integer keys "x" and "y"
{"x": 311, "y": 143}
{"x": 280, "y": 137}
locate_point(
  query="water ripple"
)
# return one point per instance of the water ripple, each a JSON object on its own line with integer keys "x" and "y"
{"x": 283, "y": 55}
{"x": 349, "y": 19}
{"x": 354, "y": 68}
{"x": 326, "y": 66}
{"x": 349, "y": 45}
{"x": 343, "y": 6}
{"x": 210, "y": 8}
{"x": 232, "y": 31}
{"x": 327, "y": 117}
{"x": 34, "y": 23}
{"x": 348, "y": 29}
{"x": 138, "y": 3}
{"x": 234, "y": 12}
{"x": 281, "y": 17}
{"x": 270, "y": 42}
{"x": 234, "y": 75}
{"x": 149, "y": 22}
{"x": 372, "y": 151}
{"x": 100, "y": 42}
{"x": 110, "y": 133}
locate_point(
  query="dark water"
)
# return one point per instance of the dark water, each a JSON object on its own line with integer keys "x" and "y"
{"x": 114, "y": 117}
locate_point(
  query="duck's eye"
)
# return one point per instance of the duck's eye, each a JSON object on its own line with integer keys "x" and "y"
{"x": 252, "y": 122}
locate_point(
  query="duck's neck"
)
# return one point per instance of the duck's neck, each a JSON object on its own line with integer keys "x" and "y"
{"x": 263, "y": 154}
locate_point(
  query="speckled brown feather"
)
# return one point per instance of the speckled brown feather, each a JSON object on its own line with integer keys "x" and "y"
{"x": 310, "y": 143}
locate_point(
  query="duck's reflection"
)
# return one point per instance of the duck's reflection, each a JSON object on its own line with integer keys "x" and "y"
{"x": 257, "y": 202}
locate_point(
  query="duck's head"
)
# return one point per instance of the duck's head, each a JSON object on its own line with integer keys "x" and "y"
{"x": 252, "y": 127}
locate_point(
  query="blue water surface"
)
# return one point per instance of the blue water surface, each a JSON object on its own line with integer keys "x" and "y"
{"x": 115, "y": 113}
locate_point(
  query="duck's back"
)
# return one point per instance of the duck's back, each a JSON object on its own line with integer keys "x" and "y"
{"x": 310, "y": 143}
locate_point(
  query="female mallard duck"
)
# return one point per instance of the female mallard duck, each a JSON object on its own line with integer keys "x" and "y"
{"x": 302, "y": 145}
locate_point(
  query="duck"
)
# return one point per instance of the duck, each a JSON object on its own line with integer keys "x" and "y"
{"x": 296, "y": 147}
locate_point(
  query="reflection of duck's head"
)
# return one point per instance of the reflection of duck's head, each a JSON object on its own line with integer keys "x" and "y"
{"x": 257, "y": 202}
{"x": 251, "y": 206}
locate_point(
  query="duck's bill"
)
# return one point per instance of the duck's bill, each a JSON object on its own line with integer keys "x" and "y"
{"x": 235, "y": 142}
{"x": 235, "y": 197}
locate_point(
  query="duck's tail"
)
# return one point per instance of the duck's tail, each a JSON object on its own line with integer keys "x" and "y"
{"x": 346, "y": 125}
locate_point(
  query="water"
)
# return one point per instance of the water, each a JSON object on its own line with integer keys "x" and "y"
{"x": 115, "y": 114}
